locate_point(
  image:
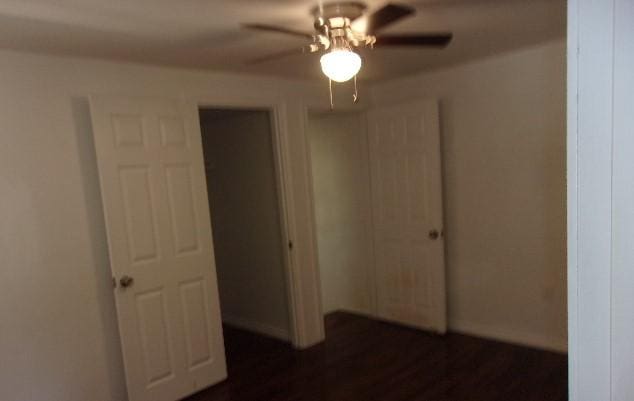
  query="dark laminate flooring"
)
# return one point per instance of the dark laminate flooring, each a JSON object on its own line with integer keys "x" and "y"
{"x": 367, "y": 360}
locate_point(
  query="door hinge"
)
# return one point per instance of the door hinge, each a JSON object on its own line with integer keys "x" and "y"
{"x": 290, "y": 245}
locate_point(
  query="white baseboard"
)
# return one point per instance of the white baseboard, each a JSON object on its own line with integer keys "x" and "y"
{"x": 510, "y": 336}
{"x": 532, "y": 340}
{"x": 257, "y": 327}
{"x": 360, "y": 312}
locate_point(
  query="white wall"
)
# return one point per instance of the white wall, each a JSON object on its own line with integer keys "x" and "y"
{"x": 503, "y": 144}
{"x": 339, "y": 158}
{"x": 242, "y": 187}
{"x": 58, "y": 337}
{"x": 601, "y": 199}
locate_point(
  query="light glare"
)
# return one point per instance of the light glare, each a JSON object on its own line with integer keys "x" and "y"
{"x": 340, "y": 65}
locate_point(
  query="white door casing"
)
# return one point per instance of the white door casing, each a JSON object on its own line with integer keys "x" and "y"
{"x": 154, "y": 194}
{"x": 405, "y": 170}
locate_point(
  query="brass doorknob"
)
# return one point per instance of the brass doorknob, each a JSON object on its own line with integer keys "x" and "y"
{"x": 434, "y": 234}
{"x": 126, "y": 281}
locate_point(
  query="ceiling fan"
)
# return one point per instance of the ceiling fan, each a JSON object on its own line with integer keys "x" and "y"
{"x": 340, "y": 28}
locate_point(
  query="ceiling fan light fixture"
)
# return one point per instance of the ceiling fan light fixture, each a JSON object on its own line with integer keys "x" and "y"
{"x": 340, "y": 65}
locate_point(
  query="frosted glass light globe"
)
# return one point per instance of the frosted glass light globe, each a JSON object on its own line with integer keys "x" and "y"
{"x": 340, "y": 65}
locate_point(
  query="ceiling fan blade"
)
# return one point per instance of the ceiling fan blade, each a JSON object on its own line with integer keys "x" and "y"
{"x": 385, "y": 16}
{"x": 278, "y": 29}
{"x": 277, "y": 55}
{"x": 430, "y": 40}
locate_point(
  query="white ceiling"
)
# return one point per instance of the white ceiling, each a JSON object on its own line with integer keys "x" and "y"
{"x": 207, "y": 34}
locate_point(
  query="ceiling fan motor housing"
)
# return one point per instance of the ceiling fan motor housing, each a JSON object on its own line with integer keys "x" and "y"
{"x": 347, "y": 9}
{"x": 333, "y": 21}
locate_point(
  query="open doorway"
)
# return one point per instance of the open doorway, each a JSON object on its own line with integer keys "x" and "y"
{"x": 378, "y": 208}
{"x": 244, "y": 202}
{"x": 503, "y": 231}
{"x": 341, "y": 188}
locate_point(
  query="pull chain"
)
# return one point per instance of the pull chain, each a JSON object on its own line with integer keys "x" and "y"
{"x": 332, "y": 105}
{"x": 355, "y": 95}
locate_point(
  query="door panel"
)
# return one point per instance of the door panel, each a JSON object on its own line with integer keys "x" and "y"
{"x": 196, "y": 316}
{"x": 181, "y": 205}
{"x": 138, "y": 209}
{"x": 407, "y": 205}
{"x": 155, "y": 340}
{"x": 150, "y": 163}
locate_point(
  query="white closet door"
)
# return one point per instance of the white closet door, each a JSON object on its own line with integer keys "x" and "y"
{"x": 407, "y": 214}
{"x": 161, "y": 253}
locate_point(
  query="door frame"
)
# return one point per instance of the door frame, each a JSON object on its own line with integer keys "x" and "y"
{"x": 279, "y": 134}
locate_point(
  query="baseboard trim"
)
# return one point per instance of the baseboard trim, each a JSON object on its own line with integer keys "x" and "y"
{"x": 486, "y": 331}
{"x": 257, "y": 327}
{"x": 510, "y": 336}
{"x": 354, "y": 311}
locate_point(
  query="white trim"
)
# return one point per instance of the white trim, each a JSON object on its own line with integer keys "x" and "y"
{"x": 489, "y": 332}
{"x": 572, "y": 185}
{"x": 597, "y": 309}
{"x": 355, "y": 311}
{"x": 280, "y": 150}
{"x": 533, "y": 340}
{"x": 316, "y": 278}
{"x": 278, "y": 333}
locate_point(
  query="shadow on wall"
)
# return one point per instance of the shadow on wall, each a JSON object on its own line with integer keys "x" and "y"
{"x": 97, "y": 231}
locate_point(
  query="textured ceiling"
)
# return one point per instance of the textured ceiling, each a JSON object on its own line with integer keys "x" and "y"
{"x": 207, "y": 34}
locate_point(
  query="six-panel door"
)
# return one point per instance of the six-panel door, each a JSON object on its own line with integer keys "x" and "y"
{"x": 157, "y": 218}
{"x": 407, "y": 214}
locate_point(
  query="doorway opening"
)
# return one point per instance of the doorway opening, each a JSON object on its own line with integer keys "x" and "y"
{"x": 378, "y": 212}
{"x": 343, "y": 216}
{"x": 247, "y": 222}
{"x": 380, "y": 226}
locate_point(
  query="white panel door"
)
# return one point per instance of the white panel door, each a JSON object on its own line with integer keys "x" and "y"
{"x": 407, "y": 214}
{"x": 154, "y": 194}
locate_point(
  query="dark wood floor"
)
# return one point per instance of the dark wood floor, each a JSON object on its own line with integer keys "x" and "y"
{"x": 366, "y": 360}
